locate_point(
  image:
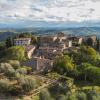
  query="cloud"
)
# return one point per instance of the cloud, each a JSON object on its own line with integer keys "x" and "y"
{"x": 49, "y": 10}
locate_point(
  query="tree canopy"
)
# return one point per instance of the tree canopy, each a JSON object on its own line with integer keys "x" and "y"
{"x": 84, "y": 54}
{"x": 64, "y": 64}
{"x": 15, "y": 53}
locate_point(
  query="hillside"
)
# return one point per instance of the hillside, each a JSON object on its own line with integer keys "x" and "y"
{"x": 52, "y": 30}
{"x": 4, "y": 35}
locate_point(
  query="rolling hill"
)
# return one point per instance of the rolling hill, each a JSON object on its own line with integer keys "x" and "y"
{"x": 51, "y": 30}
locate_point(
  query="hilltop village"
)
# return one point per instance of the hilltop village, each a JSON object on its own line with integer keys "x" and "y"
{"x": 50, "y": 67}
{"x": 42, "y": 55}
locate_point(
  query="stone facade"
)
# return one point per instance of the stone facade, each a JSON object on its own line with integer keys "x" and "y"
{"x": 48, "y": 53}
{"x": 60, "y": 41}
{"x": 52, "y": 46}
{"x": 75, "y": 39}
{"x": 93, "y": 37}
{"x": 46, "y": 40}
{"x": 22, "y": 41}
{"x": 39, "y": 64}
{"x": 29, "y": 50}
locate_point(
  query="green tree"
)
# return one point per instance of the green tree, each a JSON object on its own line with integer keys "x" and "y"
{"x": 98, "y": 45}
{"x": 45, "y": 95}
{"x": 93, "y": 95}
{"x": 81, "y": 96}
{"x": 27, "y": 84}
{"x": 84, "y": 54}
{"x": 9, "y": 42}
{"x": 7, "y": 69}
{"x": 89, "y": 42}
{"x": 15, "y": 63}
{"x": 64, "y": 64}
{"x": 2, "y": 49}
{"x": 61, "y": 97}
{"x": 93, "y": 74}
{"x": 88, "y": 54}
{"x": 22, "y": 71}
{"x": 72, "y": 97}
{"x": 29, "y": 69}
{"x": 15, "y": 53}
{"x": 2, "y": 46}
{"x": 5, "y": 86}
{"x": 84, "y": 67}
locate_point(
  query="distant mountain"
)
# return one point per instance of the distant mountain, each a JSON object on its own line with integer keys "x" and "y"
{"x": 51, "y": 30}
{"x": 84, "y": 31}
{"x": 51, "y": 24}
{"x": 4, "y": 35}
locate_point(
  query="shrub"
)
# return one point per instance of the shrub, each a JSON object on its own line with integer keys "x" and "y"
{"x": 81, "y": 96}
{"x": 7, "y": 69}
{"x": 15, "y": 53}
{"x": 94, "y": 74}
{"x": 15, "y": 63}
{"x": 21, "y": 71}
{"x": 61, "y": 97}
{"x": 5, "y": 86}
{"x": 27, "y": 84}
{"x": 64, "y": 64}
{"x": 45, "y": 95}
{"x": 93, "y": 95}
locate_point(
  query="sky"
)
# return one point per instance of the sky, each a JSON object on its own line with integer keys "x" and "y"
{"x": 22, "y": 12}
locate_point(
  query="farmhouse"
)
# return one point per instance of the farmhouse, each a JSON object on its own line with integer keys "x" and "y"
{"x": 22, "y": 41}
{"x": 39, "y": 64}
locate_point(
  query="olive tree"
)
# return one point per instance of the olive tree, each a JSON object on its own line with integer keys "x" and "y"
{"x": 15, "y": 53}
{"x": 27, "y": 84}
{"x": 94, "y": 74}
{"x": 7, "y": 69}
{"x": 45, "y": 95}
{"x": 15, "y": 63}
{"x": 93, "y": 95}
{"x": 81, "y": 96}
{"x": 83, "y": 68}
{"x": 22, "y": 71}
{"x": 5, "y": 86}
{"x": 64, "y": 64}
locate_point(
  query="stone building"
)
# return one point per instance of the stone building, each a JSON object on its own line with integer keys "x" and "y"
{"x": 48, "y": 52}
{"x": 29, "y": 50}
{"x": 61, "y": 36}
{"x": 52, "y": 46}
{"x": 93, "y": 37}
{"x": 59, "y": 41}
{"x": 46, "y": 40}
{"x": 22, "y": 41}
{"x": 75, "y": 39}
{"x": 67, "y": 42}
{"x": 39, "y": 64}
